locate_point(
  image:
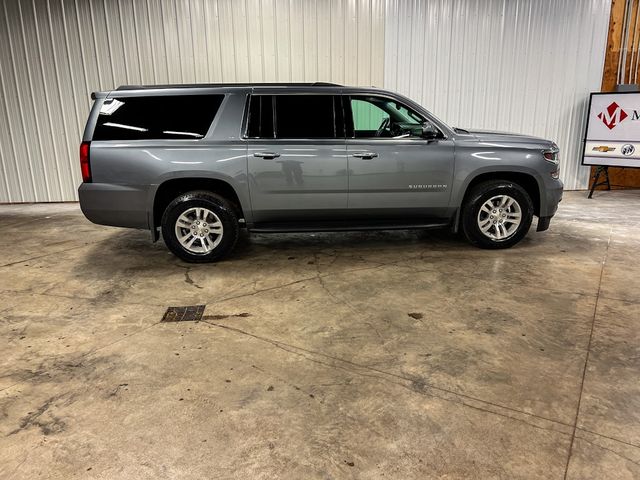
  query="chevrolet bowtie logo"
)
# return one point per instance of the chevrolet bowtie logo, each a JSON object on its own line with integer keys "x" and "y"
{"x": 603, "y": 148}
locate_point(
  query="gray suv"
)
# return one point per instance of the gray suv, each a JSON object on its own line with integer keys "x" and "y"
{"x": 198, "y": 162}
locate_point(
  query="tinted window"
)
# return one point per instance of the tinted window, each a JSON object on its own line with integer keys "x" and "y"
{"x": 381, "y": 117}
{"x": 305, "y": 116}
{"x": 140, "y": 118}
{"x": 366, "y": 115}
{"x": 260, "y": 117}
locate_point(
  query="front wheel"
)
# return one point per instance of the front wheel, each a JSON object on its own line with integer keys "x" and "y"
{"x": 497, "y": 214}
{"x": 200, "y": 227}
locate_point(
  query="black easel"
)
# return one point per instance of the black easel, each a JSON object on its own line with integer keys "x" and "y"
{"x": 601, "y": 169}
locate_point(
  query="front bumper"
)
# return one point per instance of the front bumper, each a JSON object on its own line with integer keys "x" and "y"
{"x": 553, "y": 196}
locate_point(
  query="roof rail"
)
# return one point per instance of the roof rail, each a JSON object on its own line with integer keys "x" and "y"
{"x": 211, "y": 85}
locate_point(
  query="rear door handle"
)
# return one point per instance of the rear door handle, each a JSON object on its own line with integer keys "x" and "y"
{"x": 365, "y": 155}
{"x": 266, "y": 155}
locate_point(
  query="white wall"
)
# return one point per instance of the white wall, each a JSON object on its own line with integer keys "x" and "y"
{"x": 54, "y": 53}
{"x": 523, "y": 66}
{"x": 510, "y": 64}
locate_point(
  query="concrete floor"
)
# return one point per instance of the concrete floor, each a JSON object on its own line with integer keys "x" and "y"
{"x": 365, "y": 355}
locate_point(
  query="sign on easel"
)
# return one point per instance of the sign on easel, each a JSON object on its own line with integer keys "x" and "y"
{"x": 612, "y": 138}
{"x": 613, "y": 130}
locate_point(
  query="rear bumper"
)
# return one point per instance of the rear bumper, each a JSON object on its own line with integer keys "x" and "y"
{"x": 114, "y": 205}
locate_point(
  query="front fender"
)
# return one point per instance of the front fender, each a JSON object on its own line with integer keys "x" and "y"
{"x": 461, "y": 183}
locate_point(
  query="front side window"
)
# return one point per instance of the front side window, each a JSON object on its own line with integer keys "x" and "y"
{"x": 186, "y": 117}
{"x": 306, "y": 116}
{"x": 379, "y": 117}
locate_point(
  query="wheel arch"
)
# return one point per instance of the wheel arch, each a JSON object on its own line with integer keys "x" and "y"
{"x": 526, "y": 179}
{"x": 172, "y": 187}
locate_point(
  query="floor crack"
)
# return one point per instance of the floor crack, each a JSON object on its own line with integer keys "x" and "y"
{"x": 586, "y": 359}
{"x": 187, "y": 276}
{"x": 38, "y": 257}
{"x": 414, "y": 385}
{"x": 617, "y": 454}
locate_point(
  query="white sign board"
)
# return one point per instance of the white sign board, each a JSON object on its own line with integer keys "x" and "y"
{"x": 613, "y": 130}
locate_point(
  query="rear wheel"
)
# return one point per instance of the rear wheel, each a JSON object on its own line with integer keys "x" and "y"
{"x": 200, "y": 227}
{"x": 497, "y": 214}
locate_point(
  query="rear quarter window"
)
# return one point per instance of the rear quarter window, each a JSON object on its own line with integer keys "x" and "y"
{"x": 186, "y": 117}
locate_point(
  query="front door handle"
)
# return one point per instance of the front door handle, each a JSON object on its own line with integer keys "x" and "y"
{"x": 266, "y": 155}
{"x": 365, "y": 155}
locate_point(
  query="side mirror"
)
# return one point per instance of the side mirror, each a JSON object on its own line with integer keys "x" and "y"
{"x": 430, "y": 132}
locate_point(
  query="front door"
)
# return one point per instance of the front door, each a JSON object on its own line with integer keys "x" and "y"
{"x": 297, "y": 159}
{"x": 394, "y": 172}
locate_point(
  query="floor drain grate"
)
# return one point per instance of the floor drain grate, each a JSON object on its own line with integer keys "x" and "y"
{"x": 192, "y": 313}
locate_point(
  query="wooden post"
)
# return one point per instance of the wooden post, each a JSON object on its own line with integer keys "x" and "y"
{"x": 629, "y": 177}
{"x": 614, "y": 43}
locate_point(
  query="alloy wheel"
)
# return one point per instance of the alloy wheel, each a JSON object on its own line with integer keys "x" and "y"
{"x": 499, "y": 217}
{"x": 199, "y": 230}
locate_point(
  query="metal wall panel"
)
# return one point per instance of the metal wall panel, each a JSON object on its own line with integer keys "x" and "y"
{"x": 54, "y": 53}
{"x": 525, "y": 66}
{"x": 519, "y": 65}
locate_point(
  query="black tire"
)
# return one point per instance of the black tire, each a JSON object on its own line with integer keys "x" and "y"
{"x": 477, "y": 197}
{"x": 216, "y": 204}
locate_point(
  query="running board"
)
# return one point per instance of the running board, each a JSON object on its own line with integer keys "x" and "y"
{"x": 339, "y": 227}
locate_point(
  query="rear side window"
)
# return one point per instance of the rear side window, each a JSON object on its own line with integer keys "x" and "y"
{"x": 306, "y": 116}
{"x": 159, "y": 117}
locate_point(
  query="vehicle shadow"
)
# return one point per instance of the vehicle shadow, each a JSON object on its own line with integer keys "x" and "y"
{"x": 138, "y": 249}
{"x": 132, "y": 250}
{"x": 126, "y": 265}
{"x": 384, "y": 242}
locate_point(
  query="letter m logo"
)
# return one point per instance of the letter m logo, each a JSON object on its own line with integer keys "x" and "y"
{"x": 613, "y": 115}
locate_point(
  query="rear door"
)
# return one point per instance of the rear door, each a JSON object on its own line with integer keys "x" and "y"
{"x": 395, "y": 173}
{"x": 297, "y": 161}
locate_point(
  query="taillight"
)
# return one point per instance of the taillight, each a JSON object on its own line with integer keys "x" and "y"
{"x": 85, "y": 166}
{"x": 551, "y": 156}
